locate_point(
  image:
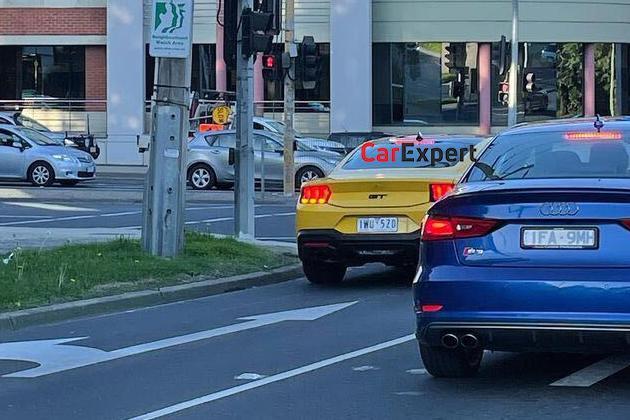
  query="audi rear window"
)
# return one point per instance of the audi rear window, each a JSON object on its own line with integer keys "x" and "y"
{"x": 555, "y": 155}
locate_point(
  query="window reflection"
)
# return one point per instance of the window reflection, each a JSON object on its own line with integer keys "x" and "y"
{"x": 425, "y": 83}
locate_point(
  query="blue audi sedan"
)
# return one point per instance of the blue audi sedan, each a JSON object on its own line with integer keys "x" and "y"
{"x": 531, "y": 252}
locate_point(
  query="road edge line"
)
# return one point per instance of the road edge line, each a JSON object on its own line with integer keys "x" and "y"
{"x": 11, "y": 321}
{"x": 272, "y": 379}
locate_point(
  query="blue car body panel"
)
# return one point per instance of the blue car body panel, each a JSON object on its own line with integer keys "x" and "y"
{"x": 520, "y": 299}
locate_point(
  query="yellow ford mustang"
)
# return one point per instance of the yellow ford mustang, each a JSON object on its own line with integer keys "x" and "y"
{"x": 370, "y": 208}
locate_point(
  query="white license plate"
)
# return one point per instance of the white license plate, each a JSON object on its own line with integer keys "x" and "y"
{"x": 377, "y": 224}
{"x": 560, "y": 238}
{"x": 90, "y": 170}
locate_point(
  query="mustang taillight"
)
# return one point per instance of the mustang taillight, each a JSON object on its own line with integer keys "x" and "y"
{"x": 437, "y": 228}
{"x": 437, "y": 191}
{"x": 626, "y": 223}
{"x": 315, "y": 194}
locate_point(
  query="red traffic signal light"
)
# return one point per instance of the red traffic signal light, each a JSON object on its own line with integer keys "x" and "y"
{"x": 269, "y": 61}
{"x": 271, "y": 67}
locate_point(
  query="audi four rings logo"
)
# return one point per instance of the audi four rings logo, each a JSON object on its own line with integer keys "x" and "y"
{"x": 559, "y": 209}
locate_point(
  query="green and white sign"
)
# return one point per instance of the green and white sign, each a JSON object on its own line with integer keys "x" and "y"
{"x": 171, "y": 26}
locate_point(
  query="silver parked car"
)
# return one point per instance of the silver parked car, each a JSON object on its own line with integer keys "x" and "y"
{"x": 209, "y": 163}
{"x": 27, "y": 154}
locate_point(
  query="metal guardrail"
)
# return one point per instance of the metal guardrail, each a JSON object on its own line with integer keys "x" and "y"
{"x": 73, "y": 116}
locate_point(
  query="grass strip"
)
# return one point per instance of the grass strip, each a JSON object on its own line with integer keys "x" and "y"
{"x": 40, "y": 277}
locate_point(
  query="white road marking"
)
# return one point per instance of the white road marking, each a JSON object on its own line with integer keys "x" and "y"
{"x": 25, "y": 217}
{"x": 225, "y": 219}
{"x": 56, "y": 355}
{"x": 271, "y": 379}
{"x": 417, "y": 371}
{"x": 219, "y": 219}
{"x": 50, "y": 207}
{"x": 364, "y": 368}
{"x": 249, "y": 377}
{"x": 94, "y": 216}
{"x": 596, "y": 372}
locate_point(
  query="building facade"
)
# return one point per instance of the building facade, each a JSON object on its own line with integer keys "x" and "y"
{"x": 390, "y": 65}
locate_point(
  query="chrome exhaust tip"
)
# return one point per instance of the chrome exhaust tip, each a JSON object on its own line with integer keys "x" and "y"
{"x": 450, "y": 341}
{"x": 469, "y": 341}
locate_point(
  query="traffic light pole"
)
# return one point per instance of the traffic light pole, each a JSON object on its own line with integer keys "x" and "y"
{"x": 244, "y": 154}
{"x": 289, "y": 102}
{"x": 513, "y": 86}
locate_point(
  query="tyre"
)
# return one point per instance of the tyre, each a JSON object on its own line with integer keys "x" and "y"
{"x": 307, "y": 173}
{"x": 201, "y": 177}
{"x": 69, "y": 183}
{"x": 451, "y": 363}
{"x": 41, "y": 174}
{"x": 323, "y": 273}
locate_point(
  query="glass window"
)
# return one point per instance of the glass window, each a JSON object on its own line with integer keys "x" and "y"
{"x": 226, "y": 140}
{"x": 53, "y": 72}
{"x": 49, "y": 72}
{"x": 425, "y": 83}
{"x": 555, "y": 155}
{"x": 203, "y": 77}
{"x": 551, "y": 85}
{"x": 388, "y": 154}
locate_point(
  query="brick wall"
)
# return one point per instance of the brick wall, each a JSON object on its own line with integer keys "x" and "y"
{"x": 96, "y": 75}
{"x": 53, "y": 21}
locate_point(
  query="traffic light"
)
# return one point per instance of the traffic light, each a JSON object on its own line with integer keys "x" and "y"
{"x": 230, "y": 29}
{"x": 309, "y": 63}
{"x": 257, "y": 35}
{"x": 504, "y": 93}
{"x": 275, "y": 8}
{"x": 455, "y": 55}
{"x": 272, "y": 67}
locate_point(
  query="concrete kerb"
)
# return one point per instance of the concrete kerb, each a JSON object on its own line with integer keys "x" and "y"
{"x": 132, "y": 300}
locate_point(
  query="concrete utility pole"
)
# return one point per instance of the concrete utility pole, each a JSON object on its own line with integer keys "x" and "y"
{"x": 289, "y": 101}
{"x": 244, "y": 162}
{"x": 513, "y": 92}
{"x": 165, "y": 187}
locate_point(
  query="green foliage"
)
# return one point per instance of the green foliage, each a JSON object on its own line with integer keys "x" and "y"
{"x": 71, "y": 272}
{"x": 569, "y": 79}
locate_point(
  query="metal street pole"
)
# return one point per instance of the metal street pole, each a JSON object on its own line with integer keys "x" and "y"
{"x": 289, "y": 101}
{"x": 244, "y": 162}
{"x": 165, "y": 186}
{"x": 513, "y": 92}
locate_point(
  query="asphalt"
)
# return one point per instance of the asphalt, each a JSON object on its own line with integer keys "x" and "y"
{"x": 327, "y": 368}
{"x": 199, "y": 359}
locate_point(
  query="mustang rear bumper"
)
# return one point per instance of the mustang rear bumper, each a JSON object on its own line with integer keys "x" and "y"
{"x": 358, "y": 249}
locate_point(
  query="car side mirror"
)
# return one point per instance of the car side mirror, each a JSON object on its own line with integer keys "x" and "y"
{"x": 231, "y": 156}
{"x": 295, "y": 146}
{"x": 18, "y": 145}
{"x": 279, "y": 151}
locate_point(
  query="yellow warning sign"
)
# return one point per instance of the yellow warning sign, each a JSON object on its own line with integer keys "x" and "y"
{"x": 221, "y": 114}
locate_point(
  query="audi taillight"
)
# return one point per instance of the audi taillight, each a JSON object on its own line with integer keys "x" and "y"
{"x": 437, "y": 191}
{"x": 626, "y": 223}
{"x": 315, "y": 194}
{"x": 437, "y": 228}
